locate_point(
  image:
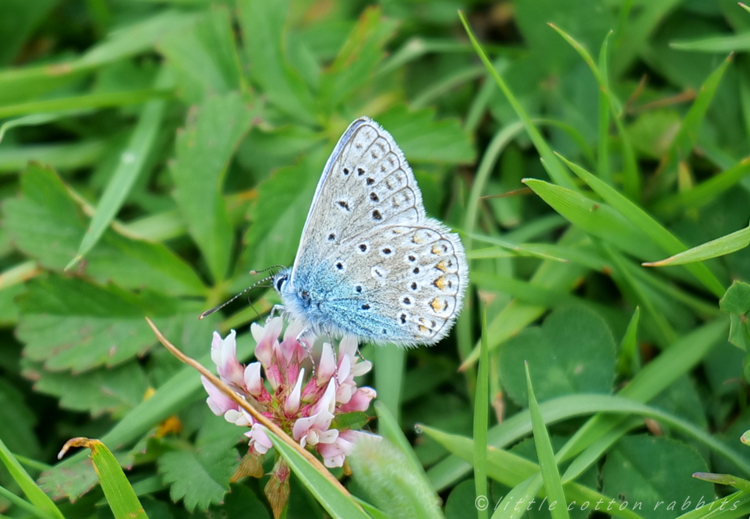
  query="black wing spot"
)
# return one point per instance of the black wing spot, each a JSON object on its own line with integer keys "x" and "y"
{"x": 345, "y": 206}
{"x": 339, "y": 265}
{"x": 360, "y": 171}
{"x": 370, "y": 181}
{"x": 403, "y": 318}
{"x": 416, "y": 270}
{"x": 414, "y": 286}
{"x": 412, "y": 258}
{"x": 374, "y": 197}
{"x": 387, "y": 251}
{"x": 358, "y": 289}
{"x": 406, "y": 300}
{"x": 331, "y": 237}
{"x": 363, "y": 247}
{"x": 365, "y": 307}
{"x": 376, "y": 215}
{"x": 346, "y": 171}
{"x": 385, "y": 332}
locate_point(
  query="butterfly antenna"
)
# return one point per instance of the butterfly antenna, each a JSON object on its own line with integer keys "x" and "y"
{"x": 209, "y": 312}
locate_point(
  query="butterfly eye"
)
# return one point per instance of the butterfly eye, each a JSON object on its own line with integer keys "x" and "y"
{"x": 280, "y": 283}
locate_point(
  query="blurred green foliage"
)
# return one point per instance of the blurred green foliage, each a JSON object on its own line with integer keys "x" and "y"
{"x": 153, "y": 152}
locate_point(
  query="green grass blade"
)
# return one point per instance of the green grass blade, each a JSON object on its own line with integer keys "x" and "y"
{"x": 715, "y": 44}
{"x": 558, "y": 173}
{"x": 631, "y": 177}
{"x": 704, "y": 193}
{"x": 603, "y": 151}
{"x": 132, "y": 161}
{"x": 511, "y": 470}
{"x": 390, "y": 366}
{"x": 38, "y": 499}
{"x": 117, "y": 489}
{"x": 687, "y": 135}
{"x": 713, "y": 249}
{"x": 629, "y": 360}
{"x": 104, "y": 100}
{"x": 724, "y": 479}
{"x": 658, "y": 234}
{"x": 546, "y": 455}
{"x": 337, "y": 504}
{"x": 481, "y": 418}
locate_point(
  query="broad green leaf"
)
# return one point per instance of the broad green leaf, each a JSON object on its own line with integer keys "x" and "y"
{"x": 70, "y": 324}
{"x": 424, "y": 139}
{"x": 120, "y": 495}
{"x": 656, "y": 471}
{"x": 736, "y": 299}
{"x": 264, "y": 34}
{"x": 201, "y": 475}
{"x": 337, "y": 504}
{"x": 47, "y": 224}
{"x": 203, "y": 56}
{"x": 240, "y": 503}
{"x": 35, "y": 495}
{"x": 547, "y": 462}
{"x": 131, "y": 164}
{"x": 357, "y": 59}
{"x": 204, "y": 149}
{"x": 82, "y": 153}
{"x": 658, "y": 234}
{"x": 572, "y": 352}
{"x": 391, "y": 480}
{"x": 712, "y": 249}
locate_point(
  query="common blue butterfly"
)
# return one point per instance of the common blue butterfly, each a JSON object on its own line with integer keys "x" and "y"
{"x": 370, "y": 263}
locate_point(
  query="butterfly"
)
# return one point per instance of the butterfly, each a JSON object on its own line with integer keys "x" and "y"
{"x": 370, "y": 262}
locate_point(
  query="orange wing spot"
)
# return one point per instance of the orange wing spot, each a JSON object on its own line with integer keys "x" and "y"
{"x": 437, "y": 305}
{"x": 440, "y": 283}
{"x": 423, "y": 329}
{"x": 436, "y": 250}
{"x": 417, "y": 239}
{"x": 441, "y": 266}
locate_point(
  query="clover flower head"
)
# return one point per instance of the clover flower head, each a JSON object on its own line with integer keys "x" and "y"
{"x": 277, "y": 385}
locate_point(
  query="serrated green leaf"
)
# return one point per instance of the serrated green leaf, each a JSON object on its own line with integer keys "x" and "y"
{"x": 204, "y": 149}
{"x": 572, "y": 352}
{"x": 357, "y": 59}
{"x": 263, "y": 30}
{"x": 201, "y": 475}
{"x": 424, "y": 139}
{"x": 278, "y": 215}
{"x": 113, "y": 391}
{"x": 70, "y": 324}
{"x": 204, "y": 56}
{"x": 48, "y": 225}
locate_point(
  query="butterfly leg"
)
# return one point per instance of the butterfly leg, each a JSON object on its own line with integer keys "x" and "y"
{"x": 274, "y": 310}
{"x": 305, "y": 331}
